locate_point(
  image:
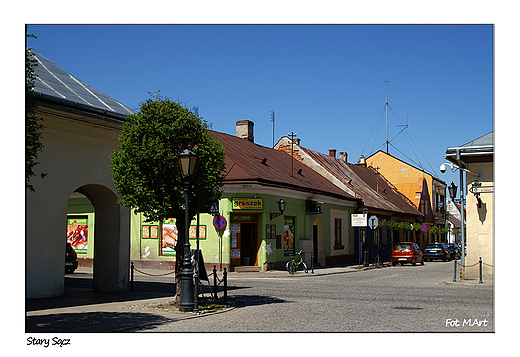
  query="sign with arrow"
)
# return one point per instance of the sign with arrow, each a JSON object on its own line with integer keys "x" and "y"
{"x": 481, "y": 189}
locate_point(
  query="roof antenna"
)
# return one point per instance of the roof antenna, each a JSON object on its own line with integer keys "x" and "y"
{"x": 386, "y": 106}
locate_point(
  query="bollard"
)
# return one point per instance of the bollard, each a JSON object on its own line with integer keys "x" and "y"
{"x": 480, "y": 263}
{"x": 454, "y": 271}
{"x": 225, "y": 286}
{"x": 132, "y": 276}
{"x": 215, "y": 282}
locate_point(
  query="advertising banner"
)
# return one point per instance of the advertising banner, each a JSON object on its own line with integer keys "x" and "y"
{"x": 169, "y": 236}
{"x": 288, "y": 236}
{"x": 77, "y": 234}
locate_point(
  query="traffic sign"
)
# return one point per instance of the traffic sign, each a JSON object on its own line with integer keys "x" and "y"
{"x": 373, "y": 222}
{"x": 424, "y": 228}
{"x": 214, "y": 208}
{"x": 481, "y": 189}
{"x": 219, "y": 222}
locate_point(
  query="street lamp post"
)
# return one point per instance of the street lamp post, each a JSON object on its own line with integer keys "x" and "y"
{"x": 453, "y": 190}
{"x": 187, "y": 159}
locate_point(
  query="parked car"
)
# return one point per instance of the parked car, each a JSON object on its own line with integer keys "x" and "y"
{"x": 71, "y": 259}
{"x": 454, "y": 250}
{"x": 436, "y": 251}
{"x": 407, "y": 252}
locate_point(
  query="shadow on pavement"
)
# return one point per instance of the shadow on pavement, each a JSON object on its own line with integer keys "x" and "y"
{"x": 90, "y": 322}
{"x": 252, "y": 300}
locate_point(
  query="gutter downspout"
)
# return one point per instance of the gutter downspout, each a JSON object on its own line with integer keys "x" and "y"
{"x": 462, "y": 201}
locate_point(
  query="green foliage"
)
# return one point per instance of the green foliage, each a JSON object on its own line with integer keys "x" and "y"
{"x": 393, "y": 224}
{"x": 145, "y": 167}
{"x": 33, "y": 128}
{"x": 435, "y": 230}
{"x": 405, "y": 226}
{"x": 445, "y": 230}
{"x": 416, "y": 226}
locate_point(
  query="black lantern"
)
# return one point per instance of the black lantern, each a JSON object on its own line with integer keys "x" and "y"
{"x": 281, "y": 208}
{"x": 453, "y": 190}
{"x": 187, "y": 159}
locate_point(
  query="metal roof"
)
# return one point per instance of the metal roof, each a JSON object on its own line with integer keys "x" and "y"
{"x": 478, "y": 150}
{"x": 56, "y": 85}
{"x": 247, "y": 162}
{"x": 371, "y": 186}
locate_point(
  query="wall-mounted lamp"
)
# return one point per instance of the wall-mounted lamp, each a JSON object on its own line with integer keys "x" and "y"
{"x": 475, "y": 184}
{"x": 281, "y": 207}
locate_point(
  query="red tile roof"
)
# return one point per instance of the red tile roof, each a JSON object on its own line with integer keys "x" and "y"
{"x": 247, "y": 162}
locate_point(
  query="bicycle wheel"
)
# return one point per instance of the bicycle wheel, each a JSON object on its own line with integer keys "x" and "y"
{"x": 290, "y": 267}
{"x": 305, "y": 269}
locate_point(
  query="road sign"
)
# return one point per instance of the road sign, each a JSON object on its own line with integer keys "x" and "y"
{"x": 481, "y": 189}
{"x": 219, "y": 222}
{"x": 424, "y": 228}
{"x": 214, "y": 208}
{"x": 373, "y": 222}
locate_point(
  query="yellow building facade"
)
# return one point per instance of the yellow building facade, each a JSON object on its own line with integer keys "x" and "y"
{"x": 427, "y": 193}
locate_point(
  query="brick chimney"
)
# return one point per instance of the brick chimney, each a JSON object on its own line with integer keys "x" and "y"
{"x": 343, "y": 156}
{"x": 332, "y": 152}
{"x": 244, "y": 129}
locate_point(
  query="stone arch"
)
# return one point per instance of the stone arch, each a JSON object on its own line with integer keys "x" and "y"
{"x": 112, "y": 245}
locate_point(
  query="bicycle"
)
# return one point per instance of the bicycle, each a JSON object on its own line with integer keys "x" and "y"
{"x": 292, "y": 265}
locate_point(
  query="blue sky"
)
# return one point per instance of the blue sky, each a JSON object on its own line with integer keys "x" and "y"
{"x": 327, "y": 83}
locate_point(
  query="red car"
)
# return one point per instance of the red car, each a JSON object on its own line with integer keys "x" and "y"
{"x": 407, "y": 252}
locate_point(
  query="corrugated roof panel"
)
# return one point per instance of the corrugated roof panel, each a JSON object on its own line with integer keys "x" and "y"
{"x": 247, "y": 161}
{"x": 54, "y": 82}
{"x": 371, "y": 186}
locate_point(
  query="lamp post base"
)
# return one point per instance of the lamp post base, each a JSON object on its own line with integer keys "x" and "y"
{"x": 186, "y": 304}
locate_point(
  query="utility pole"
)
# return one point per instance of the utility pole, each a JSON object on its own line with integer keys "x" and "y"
{"x": 292, "y": 135}
{"x": 272, "y": 119}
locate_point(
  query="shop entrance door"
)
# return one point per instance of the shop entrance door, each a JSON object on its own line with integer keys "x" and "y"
{"x": 248, "y": 241}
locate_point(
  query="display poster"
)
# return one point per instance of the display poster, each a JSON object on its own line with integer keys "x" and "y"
{"x": 169, "y": 236}
{"x": 150, "y": 231}
{"x": 270, "y": 231}
{"x": 77, "y": 234}
{"x": 202, "y": 232}
{"x": 288, "y": 236}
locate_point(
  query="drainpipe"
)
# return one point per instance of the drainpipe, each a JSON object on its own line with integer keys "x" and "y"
{"x": 462, "y": 200}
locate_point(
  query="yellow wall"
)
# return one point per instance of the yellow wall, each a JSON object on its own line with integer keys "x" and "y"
{"x": 480, "y": 224}
{"x": 406, "y": 179}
